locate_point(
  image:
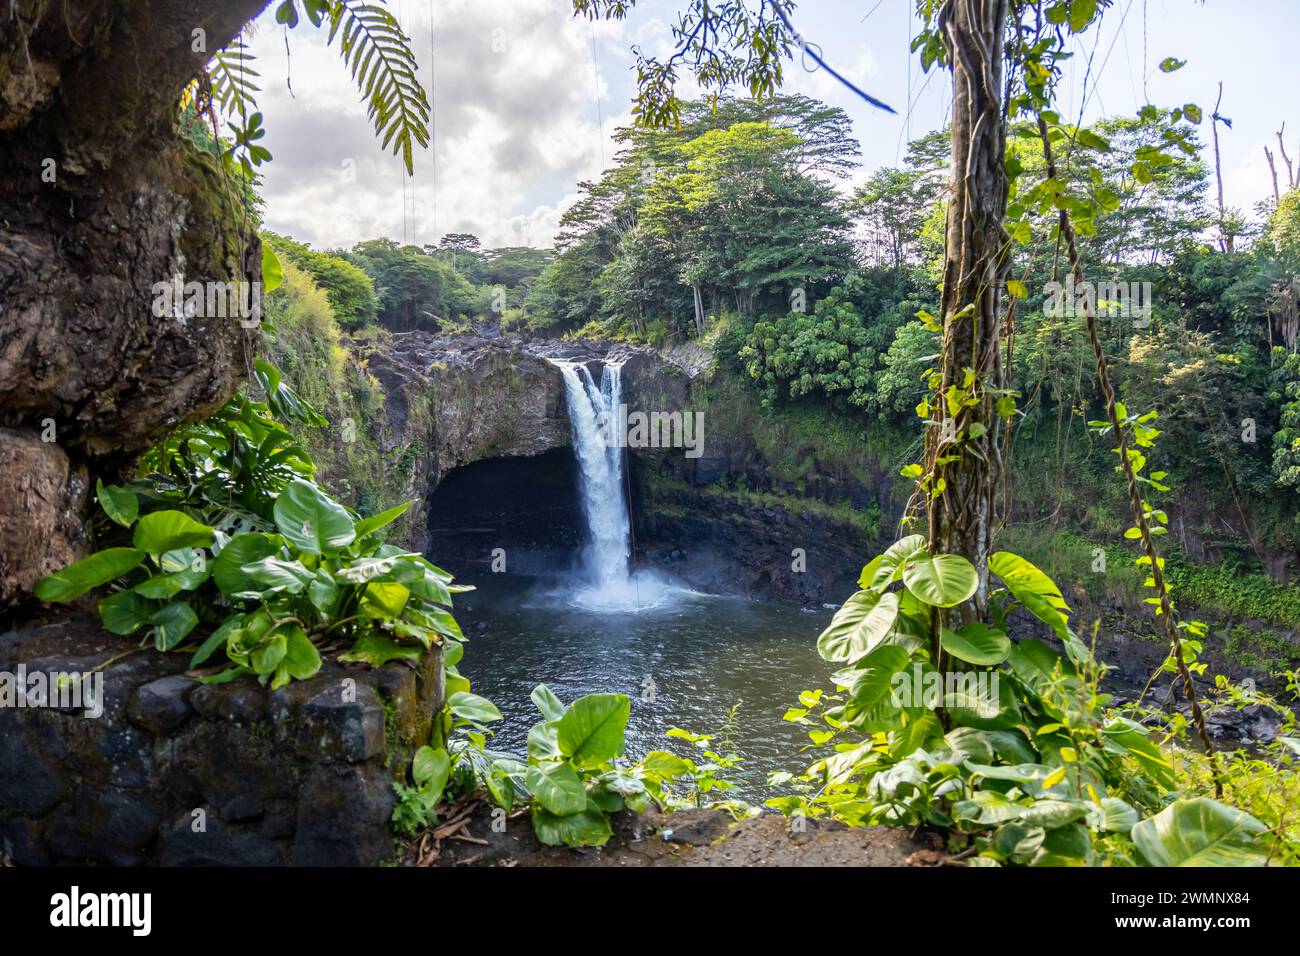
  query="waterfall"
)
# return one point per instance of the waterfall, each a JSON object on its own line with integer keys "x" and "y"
{"x": 594, "y": 413}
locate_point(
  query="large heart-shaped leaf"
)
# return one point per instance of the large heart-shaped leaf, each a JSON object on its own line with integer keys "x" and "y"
{"x": 472, "y": 707}
{"x": 311, "y": 521}
{"x": 885, "y": 569}
{"x": 857, "y": 627}
{"x": 976, "y": 643}
{"x": 1201, "y": 832}
{"x": 172, "y": 623}
{"x": 591, "y": 731}
{"x": 872, "y": 682}
{"x": 76, "y": 579}
{"x": 163, "y": 531}
{"x": 228, "y": 568}
{"x": 944, "y": 580}
{"x": 118, "y": 503}
{"x": 558, "y": 788}
{"x": 588, "y": 828}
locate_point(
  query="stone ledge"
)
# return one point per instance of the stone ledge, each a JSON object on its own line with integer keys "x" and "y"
{"x": 177, "y": 772}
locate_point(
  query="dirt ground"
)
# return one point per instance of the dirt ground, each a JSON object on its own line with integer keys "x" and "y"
{"x": 467, "y": 837}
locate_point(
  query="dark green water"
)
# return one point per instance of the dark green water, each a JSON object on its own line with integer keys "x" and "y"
{"x": 699, "y": 654}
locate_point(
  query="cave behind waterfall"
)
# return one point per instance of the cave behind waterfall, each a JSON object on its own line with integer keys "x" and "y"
{"x": 526, "y": 506}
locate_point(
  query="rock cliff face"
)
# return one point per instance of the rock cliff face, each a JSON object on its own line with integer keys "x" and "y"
{"x": 101, "y": 199}
{"x": 147, "y": 765}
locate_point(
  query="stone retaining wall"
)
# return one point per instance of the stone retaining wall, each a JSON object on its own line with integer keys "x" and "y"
{"x": 175, "y": 772}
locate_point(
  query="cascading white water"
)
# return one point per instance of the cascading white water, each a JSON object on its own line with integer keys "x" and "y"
{"x": 593, "y": 411}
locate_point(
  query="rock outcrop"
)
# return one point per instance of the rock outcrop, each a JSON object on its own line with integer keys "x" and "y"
{"x": 147, "y": 765}
{"x": 101, "y": 200}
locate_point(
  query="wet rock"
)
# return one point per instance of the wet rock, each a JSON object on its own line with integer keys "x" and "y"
{"x": 335, "y": 805}
{"x": 162, "y": 705}
{"x": 217, "y": 845}
{"x": 242, "y": 702}
{"x": 103, "y": 827}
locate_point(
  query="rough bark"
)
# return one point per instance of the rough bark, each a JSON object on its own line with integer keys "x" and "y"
{"x": 961, "y": 517}
{"x": 101, "y": 200}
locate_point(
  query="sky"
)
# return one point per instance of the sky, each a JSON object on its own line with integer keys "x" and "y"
{"x": 526, "y": 98}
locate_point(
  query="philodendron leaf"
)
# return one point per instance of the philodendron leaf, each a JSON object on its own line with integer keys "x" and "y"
{"x": 591, "y": 731}
{"x": 944, "y": 580}
{"x": 976, "y": 643}
{"x": 163, "y": 531}
{"x": 311, "y": 521}
{"x": 588, "y": 828}
{"x": 172, "y": 623}
{"x": 887, "y": 568}
{"x": 859, "y": 626}
{"x": 372, "y": 524}
{"x": 119, "y": 503}
{"x": 88, "y": 573}
{"x": 431, "y": 770}
{"x": 551, "y": 706}
{"x": 557, "y": 788}
{"x": 378, "y": 649}
{"x": 472, "y": 707}
{"x": 1201, "y": 832}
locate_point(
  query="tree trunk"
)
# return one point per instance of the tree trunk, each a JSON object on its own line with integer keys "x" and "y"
{"x": 1225, "y": 239}
{"x": 961, "y": 517}
{"x": 101, "y": 201}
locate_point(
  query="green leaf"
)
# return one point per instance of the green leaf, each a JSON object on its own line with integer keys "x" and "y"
{"x": 248, "y": 548}
{"x": 266, "y": 658}
{"x": 431, "y": 769}
{"x": 887, "y": 568}
{"x": 164, "y": 586}
{"x": 1171, "y": 63}
{"x": 272, "y": 273}
{"x": 472, "y": 707}
{"x": 591, "y": 731}
{"x": 172, "y": 623}
{"x": 372, "y": 524}
{"x": 217, "y": 638}
{"x": 1081, "y": 13}
{"x": 976, "y": 643}
{"x": 120, "y": 504}
{"x": 944, "y": 580}
{"x": 550, "y": 705}
{"x": 301, "y": 658}
{"x": 378, "y": 649}
{"x": 872, "y": 682}
{"x": 1201, "y": 832}
{"x": 588, "y": 828}
{"x": 124, "y": 612}
{"x": 163, "y": 531}
{"x": 88, "y": 573}
{"x": 1032, "y": 588}
{"x": 859, "y": 626}
{"x": 666, "y": 766}
{"x": 558, "y": 788}
{"x": 311, "y": 521}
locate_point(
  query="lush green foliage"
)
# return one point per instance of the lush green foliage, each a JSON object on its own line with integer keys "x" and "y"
{"x": 1008, "y": 745}
{"x": 226, "y": 536}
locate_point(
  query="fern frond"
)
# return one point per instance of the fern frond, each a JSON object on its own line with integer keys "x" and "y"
{"x": 379, "y": 57}
{"x": 234, "y": 86}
